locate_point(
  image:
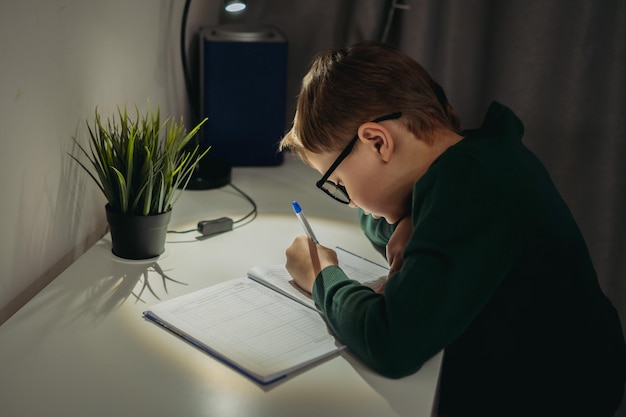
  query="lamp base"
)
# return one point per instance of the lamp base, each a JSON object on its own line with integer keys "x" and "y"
{"x": 210, "y": 173}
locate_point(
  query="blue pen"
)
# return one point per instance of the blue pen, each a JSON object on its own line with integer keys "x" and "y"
{"x": 303, "y": 221}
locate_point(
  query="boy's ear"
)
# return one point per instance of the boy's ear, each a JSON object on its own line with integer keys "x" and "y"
{"x": 377, "y": 138}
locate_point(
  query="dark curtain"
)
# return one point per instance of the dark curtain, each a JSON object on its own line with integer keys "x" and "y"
{"x": 312, "y": 26}
{"x": 558, "y": 64}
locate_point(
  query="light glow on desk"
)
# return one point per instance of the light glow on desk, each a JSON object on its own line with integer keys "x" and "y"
{"x": 226, "y": 256}
{"x": 204, "y": 385}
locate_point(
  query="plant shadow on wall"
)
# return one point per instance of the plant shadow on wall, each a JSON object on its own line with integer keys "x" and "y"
{"x": 51, "y": 224}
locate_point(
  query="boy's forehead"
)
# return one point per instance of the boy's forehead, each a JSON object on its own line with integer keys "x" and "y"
{"x": 319, "y": 161}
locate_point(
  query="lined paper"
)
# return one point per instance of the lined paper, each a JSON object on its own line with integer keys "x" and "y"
{"x": 357, "y": 268}
{"x": 250, "y": 326}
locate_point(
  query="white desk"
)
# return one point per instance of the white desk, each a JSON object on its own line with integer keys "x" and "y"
{"x": 82, "y": 348}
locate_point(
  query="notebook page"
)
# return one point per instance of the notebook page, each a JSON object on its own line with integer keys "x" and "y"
{"x": 357, "y": 268}
{"x": 249, "y": 326}
{"x": 360, "y": 269}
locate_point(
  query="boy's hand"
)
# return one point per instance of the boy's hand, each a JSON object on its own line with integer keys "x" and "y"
{"x": 305, "y": 260}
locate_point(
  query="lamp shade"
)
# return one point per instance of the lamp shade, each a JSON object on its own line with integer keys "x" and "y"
{"x": 233, "y": 6}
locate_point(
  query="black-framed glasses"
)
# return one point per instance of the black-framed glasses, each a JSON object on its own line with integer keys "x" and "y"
{"x": 336, "y": 191}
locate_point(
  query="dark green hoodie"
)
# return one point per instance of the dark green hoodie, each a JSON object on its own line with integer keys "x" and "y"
{"x": 497, "y": 273}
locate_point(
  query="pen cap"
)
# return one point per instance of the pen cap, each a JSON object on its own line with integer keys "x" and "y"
{"x": 296, "y": 207}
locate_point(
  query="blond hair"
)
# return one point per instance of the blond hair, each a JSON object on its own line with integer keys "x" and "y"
{"x": 350, "y": 86}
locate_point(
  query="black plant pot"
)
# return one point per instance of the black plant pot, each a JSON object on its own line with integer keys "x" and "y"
{"x": 137, "y": 237}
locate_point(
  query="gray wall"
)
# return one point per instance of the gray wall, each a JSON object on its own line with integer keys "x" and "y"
{"x": 58, "y": 60}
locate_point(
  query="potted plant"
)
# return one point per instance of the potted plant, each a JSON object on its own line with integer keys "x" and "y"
{"x": 141, "y": 165}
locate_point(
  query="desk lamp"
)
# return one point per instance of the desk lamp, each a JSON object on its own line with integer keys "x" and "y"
{"x": 211, "y": 172}
{"x": 242, "y": 92}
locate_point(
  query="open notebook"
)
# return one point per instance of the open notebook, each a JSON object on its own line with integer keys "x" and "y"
{"x": 262, "y": 325}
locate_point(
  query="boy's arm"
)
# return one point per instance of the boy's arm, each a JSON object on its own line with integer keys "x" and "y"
{"x": 378, "y": 231}
{"x": 462, "y": 247}
{"x": 389, "y": 239}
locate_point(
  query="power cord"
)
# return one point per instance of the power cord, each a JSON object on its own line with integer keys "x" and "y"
{"x": 183, "y": 57}
{"x": 223, "y": 224}
{"x": 253, "y": 213}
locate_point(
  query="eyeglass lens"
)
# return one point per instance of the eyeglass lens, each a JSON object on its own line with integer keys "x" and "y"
{"x": 337, "y": 192}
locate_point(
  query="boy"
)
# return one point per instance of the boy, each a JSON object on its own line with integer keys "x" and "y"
{"x": 486, "y": 260}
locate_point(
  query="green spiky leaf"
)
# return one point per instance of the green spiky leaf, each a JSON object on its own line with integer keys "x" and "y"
{"x": 140, "y": 163}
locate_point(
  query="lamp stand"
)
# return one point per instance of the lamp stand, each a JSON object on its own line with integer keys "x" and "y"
{"x": 210, "y": 173}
